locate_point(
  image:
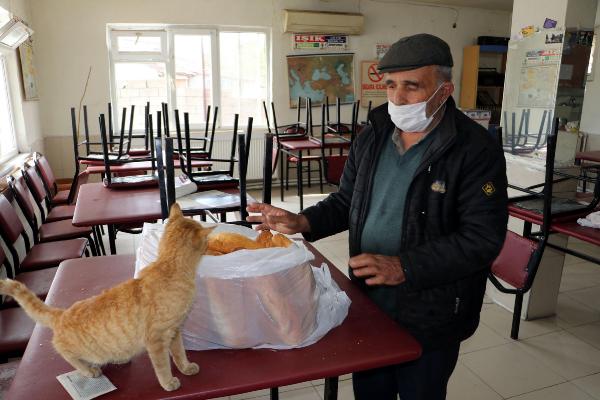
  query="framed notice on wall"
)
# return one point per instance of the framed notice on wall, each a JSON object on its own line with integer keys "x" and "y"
{"x": 372, "y": 85}
{"x": 28, "y": 73}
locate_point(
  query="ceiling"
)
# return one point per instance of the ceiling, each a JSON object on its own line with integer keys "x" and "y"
{"x": 503, "y": 5}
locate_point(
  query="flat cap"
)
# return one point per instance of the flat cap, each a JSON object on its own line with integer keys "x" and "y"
{"x": 416, "y": 51}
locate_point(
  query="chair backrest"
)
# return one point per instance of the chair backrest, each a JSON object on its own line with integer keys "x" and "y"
{"x": 6, "y": 270}
{"x": 45, "y": 170}
{"x": 36, "y": 186}
{"x": 186, "y": 163}
{"x": 11, "y": 228}
{"x": 296, "y": 129}
{"x": 24, "y": 199}
{"x": 516, "y": 260}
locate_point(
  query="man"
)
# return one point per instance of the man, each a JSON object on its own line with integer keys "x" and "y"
{"x": 423, "y": 194}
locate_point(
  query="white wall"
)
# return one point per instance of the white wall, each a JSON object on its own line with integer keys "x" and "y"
{"x": 528, "y": 12}
{"x": 71, "y": 36}
{"x": 590, "y": 118}
{"x": 580, "y": 14}
{"x": 26, "y": 118}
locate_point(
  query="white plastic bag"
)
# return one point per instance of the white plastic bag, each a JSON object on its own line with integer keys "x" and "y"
{"x": 266, "y": 298}
{"x": 590, "y": 221}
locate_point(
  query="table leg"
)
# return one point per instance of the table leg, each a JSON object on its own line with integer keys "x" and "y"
{"x": 527, "y": 229}
{"x": 274, "y": 393}
{"x": 299, "y": 175}
{"x": 331, "y": 388}
{"x": 282, "y": 155}
{"x": 112, "y": 238}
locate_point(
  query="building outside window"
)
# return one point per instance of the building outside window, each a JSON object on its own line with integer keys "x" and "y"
{"x": 190, "y": 69}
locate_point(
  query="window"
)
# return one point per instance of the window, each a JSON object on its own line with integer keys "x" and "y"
{"x": 8, "y": 145}
{"x": 590, "y": 68}
{"x": 190, "y": 69}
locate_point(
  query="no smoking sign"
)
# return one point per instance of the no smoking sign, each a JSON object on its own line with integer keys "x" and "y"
{"x": 372, "y": 87}
{"x": 374, "y": 75}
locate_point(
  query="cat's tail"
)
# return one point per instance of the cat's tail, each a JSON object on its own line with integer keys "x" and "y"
{"x": 33, "y": 306}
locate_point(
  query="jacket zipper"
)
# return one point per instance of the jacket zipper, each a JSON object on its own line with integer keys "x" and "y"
{"x": 367, "y": 198}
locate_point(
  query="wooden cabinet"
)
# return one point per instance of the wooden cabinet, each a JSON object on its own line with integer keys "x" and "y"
{"x": 482, "y": 77}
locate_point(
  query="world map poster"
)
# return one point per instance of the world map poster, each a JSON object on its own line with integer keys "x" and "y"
{"x": 319, "y": 76}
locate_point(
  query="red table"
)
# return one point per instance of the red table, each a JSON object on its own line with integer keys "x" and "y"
{"x": 297, "y": 147}
{"x": 98, "y": 205}
{"x": 366, "y": 339}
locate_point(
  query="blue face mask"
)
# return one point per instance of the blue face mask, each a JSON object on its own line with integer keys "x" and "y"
{"x": 413, "y": 117}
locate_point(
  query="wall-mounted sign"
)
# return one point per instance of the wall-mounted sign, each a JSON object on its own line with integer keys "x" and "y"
{"x": 372, "y": 86}
{"x": 381, "y": 49}
{"x": 315, "y": 42}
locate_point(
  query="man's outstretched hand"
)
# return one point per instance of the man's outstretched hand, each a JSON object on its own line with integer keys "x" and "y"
{"x": 277, "y": 219}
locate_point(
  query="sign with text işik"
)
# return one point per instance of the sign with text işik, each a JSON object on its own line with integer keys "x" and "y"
{"x": 315, "y": 42}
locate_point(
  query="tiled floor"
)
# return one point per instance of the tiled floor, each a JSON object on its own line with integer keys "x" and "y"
{"x": 556, "y": 357}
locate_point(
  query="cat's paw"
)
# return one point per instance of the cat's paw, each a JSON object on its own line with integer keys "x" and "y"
{"x": 191, "y": 369}
{"x": 91, "y": 372}
{"x": 173, "y": 384}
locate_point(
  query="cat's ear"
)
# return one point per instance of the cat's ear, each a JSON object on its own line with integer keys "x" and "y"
{"x": 175, "y": 212}
{"x": 207, "y": 231}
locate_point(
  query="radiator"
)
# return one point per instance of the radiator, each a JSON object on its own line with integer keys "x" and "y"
{"x": 222, "y": 149}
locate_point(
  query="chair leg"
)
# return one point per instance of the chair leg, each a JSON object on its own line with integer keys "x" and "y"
{"x": 87, "y": 252}
{"x": 514, "y": 332}
{"x": 308, "y": 170}
{"x": 99, "y": 239}
{"x": 281, "y": 155}
{"x": 321, "y": 175}
{"x": 287, "y": 175}
{"x": 223, "y": 217}
{"x": 92, "y": 246}
{"x": 102, "y": 229}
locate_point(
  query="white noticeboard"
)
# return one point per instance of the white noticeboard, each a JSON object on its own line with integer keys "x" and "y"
{"x": 537, "y": 86}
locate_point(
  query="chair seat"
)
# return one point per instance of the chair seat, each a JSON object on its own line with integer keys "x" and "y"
{"x": 62, "y": 197}
{"x": 49, "y": 255}
{"x": 59, "y": 213}
{"x": 294, "y": 159}
{"x": 37, "y": 281}
{"x": 15, "y": 330}
{"x": 61, "y": 230}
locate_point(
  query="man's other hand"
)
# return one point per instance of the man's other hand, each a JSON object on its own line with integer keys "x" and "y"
{"x": 377, "y": 269}
{"x": 277, "y": 219}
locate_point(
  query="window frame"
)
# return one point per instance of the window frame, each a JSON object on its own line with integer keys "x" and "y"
{"x": 167, "y": 55}
{"x": 4, "y": 156}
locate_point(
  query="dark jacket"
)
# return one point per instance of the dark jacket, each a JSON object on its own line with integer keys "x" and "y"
{"x": 454, "y": 222}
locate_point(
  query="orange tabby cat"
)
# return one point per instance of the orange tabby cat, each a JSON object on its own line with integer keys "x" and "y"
{"x": 144, "y": 313}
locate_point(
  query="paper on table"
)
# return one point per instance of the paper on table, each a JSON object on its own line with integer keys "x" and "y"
{"x": 83, "y": 388}
{"x": 211, "y": 199}
{"x": 184, "y": 186}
